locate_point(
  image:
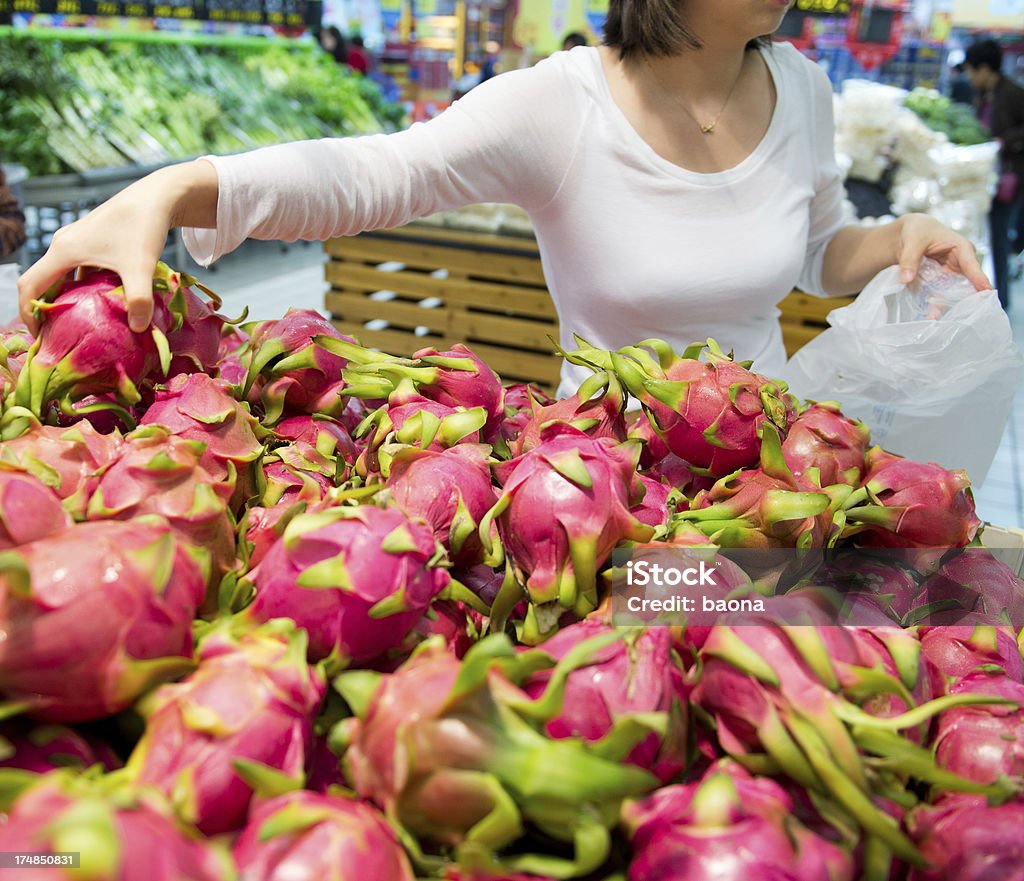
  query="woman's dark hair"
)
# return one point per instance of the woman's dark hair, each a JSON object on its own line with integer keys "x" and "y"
{"x": 651, "y": 27}
{"x": 340, "y": 50}
{"x": 987, "y": 53}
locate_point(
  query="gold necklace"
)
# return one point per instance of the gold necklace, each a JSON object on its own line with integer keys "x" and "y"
{"x": 708, "y": 127}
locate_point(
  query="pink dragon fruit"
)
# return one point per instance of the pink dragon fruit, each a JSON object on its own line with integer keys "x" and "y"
{"x": 286, "y": 484}
{"x": 195, "y": 336}
{"x": 638, "y": 675}
{"x": 233, "y": 356}
{"x": 765, "y": 506}
{"x": 243, "y": 718}
{"x": 67, "y": 460}
{"x": 965, "y": 839}
{"x": 564, "y": 507}
{"x": 958, "y": 651}
{"x": 329, "y": 437}
{"x": 295, "y": 373}
{"x": 822, "y": 438}
{"x": 451, "y": 490}
{"x": 119, "y": 837}
{"x": 729, "y": 826}
{"x": 304, "y": 836}
{"x": 678, "y": 474}
{"x": 911, "y": 504}
{"x": 639, "y": 427}
{"x": 199, "y": 408}
{"x": 357, "y": 579}
{"x": 157, "y": 472}
{"x": 323, "y": 768}
{"x": 654, "y": 507}
{"x": 596, "y": 409}
{"x": 893, "y": 585}
{"x": 973, "y": 581}
{"x": 520, "y": 401}
{"x": 86, "y": 347}
{"x": 984, "y": 742}
{"x": 93, "y": 616}
{"x": 709, "y": 413}
{"x": 29, "y": 510}
{"x": 262, "y": 527}
{"x": 44, "y": 748}
{"x": 452, "y": 752}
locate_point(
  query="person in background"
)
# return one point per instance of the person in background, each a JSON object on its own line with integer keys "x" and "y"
{"x": 572, "y": 40}
{"x": 333, "y": 43}
{"x": 960, "y": 86}
{"x": 358, "y": 58}
{"x": 999, "y": 103}
{"x": 681, "y": 180}
{"x": 492, "y": 63}
{"x": 12, "y": 221}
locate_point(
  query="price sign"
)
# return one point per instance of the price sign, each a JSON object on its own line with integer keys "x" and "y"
{"x": 824, "y": 7}
{"x": 282, "y": 13}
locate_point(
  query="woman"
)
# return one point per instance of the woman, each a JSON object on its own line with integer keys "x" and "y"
{"x": 680, "y": 178}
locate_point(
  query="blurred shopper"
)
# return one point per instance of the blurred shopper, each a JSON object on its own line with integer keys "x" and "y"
{"x": 1000, "y": 106}
{"x": 12, "y": 221}
{"x": 358, "y": 58}
{"x": 960, "y": 86}
{"x": 333, "y": 43}
{"x": 492, "y": 61}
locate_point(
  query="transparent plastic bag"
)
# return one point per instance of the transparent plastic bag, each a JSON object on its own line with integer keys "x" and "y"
{"x": 9, "y": 273}
{"x": 931, "y": 367}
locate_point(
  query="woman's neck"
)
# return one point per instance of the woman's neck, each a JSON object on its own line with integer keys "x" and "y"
{"x": 708, "y": 71}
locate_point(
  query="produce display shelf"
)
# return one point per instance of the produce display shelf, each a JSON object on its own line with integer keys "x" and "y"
{"x": 804, "y": 317}
{"x": 416, "y": 286}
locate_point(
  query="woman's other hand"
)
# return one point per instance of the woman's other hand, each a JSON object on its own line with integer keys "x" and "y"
{"x": 126, "y": 234}
{"x": 922, "y": 236}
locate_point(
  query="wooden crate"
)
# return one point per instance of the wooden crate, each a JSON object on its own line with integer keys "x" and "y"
{"x": 803, "y": 317}
{"x": 404, "y": 289}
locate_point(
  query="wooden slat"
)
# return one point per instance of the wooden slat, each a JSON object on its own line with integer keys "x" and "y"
{"x": 481, "y": 294}
{"x": 498, "y": 329}
{"x": 505, "y": 267}
{"x": 358, "y": 308}
{"x": 795, "y": 336}
{"x": 520, "y": 365}
{"x": 461, "y": 236}
{"x": 395, "y": 342}
{"x": 802, "y": 306}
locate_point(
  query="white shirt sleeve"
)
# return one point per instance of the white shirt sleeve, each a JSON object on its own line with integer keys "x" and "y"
{"x": 827, "y": 204}
{"x": 511, "y": 139}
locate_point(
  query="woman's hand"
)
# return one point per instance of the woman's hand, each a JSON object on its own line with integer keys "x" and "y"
{"x": 126, "y": 234}
{"x": 922, "y": 236}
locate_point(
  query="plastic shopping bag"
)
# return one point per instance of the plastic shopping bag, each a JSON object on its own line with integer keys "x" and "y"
{"x": 9, "y": 273}
{"x": 930, "y": 367}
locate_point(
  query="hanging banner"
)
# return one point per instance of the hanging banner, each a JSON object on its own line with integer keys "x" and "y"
{"x": 390, "y": 14}
{"x": 596, "y": 11}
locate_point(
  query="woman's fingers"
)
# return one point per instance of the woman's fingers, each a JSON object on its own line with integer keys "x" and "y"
{"x": 967, "y": 258}
{"x": 138, "y": 291}
{"x": 48, "y": 270}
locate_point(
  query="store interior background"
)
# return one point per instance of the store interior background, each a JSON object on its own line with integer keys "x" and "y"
{"x": 427, "y": 52}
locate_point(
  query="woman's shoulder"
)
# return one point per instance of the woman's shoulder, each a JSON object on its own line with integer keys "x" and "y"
{"x": 797, "y": 69}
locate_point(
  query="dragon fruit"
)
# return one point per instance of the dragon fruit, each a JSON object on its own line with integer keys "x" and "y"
{"x": 95, "y": 615}
{"x": 242, "y": 719}
{"x": 564, "y": 507}
{"x": 454, "y": 379}
{"x": 286, "y": 484}
{"x": 119, "y": 837}
{"x": 985, "y": 742}
{"x": 911, "y": 504}
{"x": 958, "y": 651}
{"x": 262, "y": 527}
{"x": 358, "y": 579}
{"x": 44, "y": 748}
{"x": 295, "y": 373}
{"x": 233, "y": 356}
{"x": 973, "y": 581}
{"x": 709, "y": 413}
{"x": 196, "y": 334}
{"x": 765, "y": 506}
{"x": 596, "y": 409}
{"x": 157, "y": 472}
{"x": 638, "y": 425}
{"x": 520, "y": 401}
{"x": 86, "y": 347}
{"x": 449, "y": 489}
{"x": 892, "y": 585}
{"x": 29, "y": 510}
{"x": 822, "y": 438}
{"x": 637, "y": 675}
{"x": 452, "y": 752}
{"x": 329, "y": 437}
{"x": 654, "y": 507}
{"x": 728, "y": 826}
{"x": 304, "y": 836}
{"x": 199, "y": 408}
{"x": 965, "y": 839}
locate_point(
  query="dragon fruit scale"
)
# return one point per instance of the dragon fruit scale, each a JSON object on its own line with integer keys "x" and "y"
{"x": 86, "y": 347}
{"x": 29, "y": 510}
{"x": 708, "y": 412}
{"x": 728, "y": 826}
{"x": 93, "y": 616}
{"x": 118, "y": 836}
{"x": 305, "y": 836}
{"x": 357, "y": 579}
{"x": 242, "y": 718}
{"x": 44, "y": 748}
{"x": 563, "y": 508}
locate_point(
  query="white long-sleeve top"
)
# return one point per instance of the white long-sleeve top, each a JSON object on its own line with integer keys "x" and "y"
{"x": 633, "y": 246}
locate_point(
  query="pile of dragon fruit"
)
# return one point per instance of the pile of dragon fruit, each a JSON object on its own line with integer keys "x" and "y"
{"x": 275, "y": 607}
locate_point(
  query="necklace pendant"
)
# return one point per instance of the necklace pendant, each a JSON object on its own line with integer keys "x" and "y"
{"x": 708, "y": 129}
